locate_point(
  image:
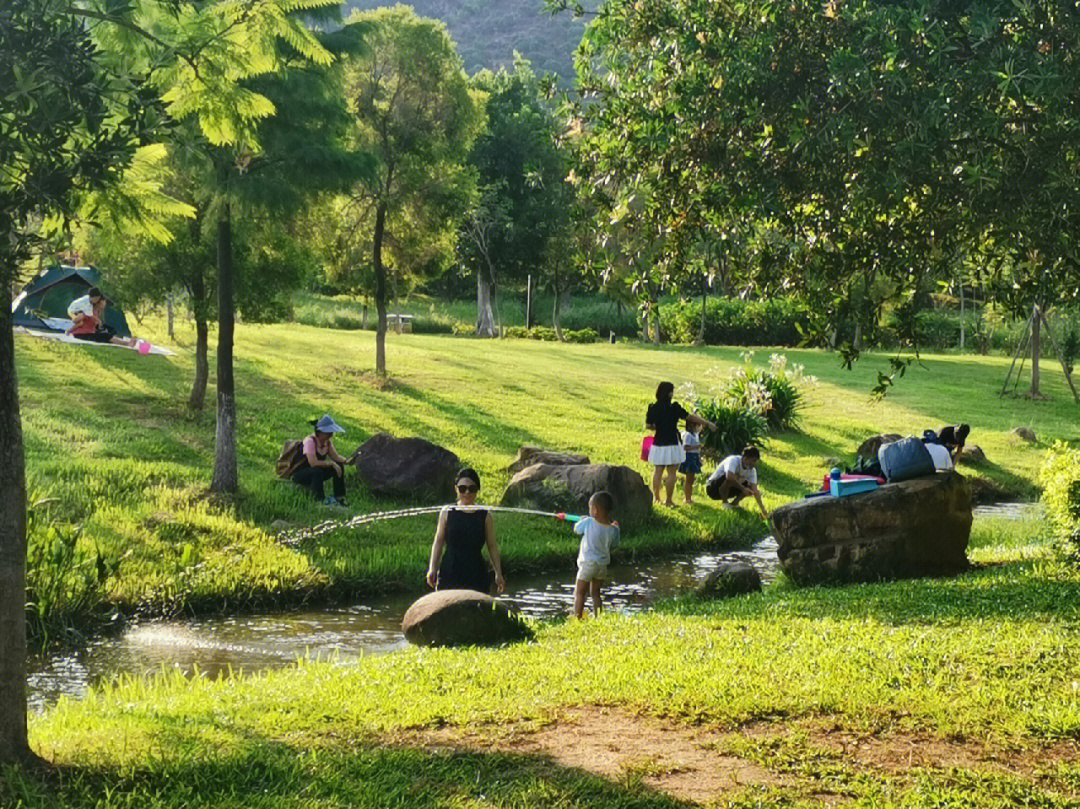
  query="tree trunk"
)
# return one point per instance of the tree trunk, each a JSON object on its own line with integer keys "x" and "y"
{"x": 1036, "y": 349}
{"x": 202, "y": 364}
{"x": 701, "y": 326}
{"x": 363, "y": 317}
{"x": 14, "y": 746}
{"x": 197, "y": 288}
{"x": 485, "y": 320}
{"x": 225, "y": 476}
{"x": 380, "y": 290}
{"x": 961, "y": 317}
{"x": 654, "y": 321}
{"x": 556, "y": 311}
{"x": 169, "y": 309}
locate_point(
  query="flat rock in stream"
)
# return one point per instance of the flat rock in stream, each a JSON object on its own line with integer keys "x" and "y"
{"x": 461, "y": 618}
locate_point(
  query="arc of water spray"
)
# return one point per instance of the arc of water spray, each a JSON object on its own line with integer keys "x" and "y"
{"x": 295, "y": 537}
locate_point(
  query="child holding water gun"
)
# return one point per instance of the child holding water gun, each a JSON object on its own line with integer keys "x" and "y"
{"x": 599, "y": 534}
{"x": 691, "y": 467}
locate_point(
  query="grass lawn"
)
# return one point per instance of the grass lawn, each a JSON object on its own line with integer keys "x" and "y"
{"x": 958, "y": 692}
{"x": 113, "y": 447}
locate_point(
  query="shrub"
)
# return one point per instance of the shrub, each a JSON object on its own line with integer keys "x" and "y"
{"x": 64, "y": 575}
{"x": 547, "y": 334}
{"x": 735, "y": 427}
{"x": 776, "y": 321}
{"x": 1061, "y": 496}
{"x": 772, "y": 392}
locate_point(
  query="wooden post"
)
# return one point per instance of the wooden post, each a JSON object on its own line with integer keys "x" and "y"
{"x": 529, "y": 302}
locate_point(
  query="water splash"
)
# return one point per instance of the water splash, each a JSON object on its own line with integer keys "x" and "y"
{"x": 293, "y": 538}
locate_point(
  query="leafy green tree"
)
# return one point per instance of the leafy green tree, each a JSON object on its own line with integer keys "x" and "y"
{"x": 58, "y": 134}
{"x": 524, "y": 201}
{"x": 414, "y": 111}
{"x": 877, "y": 140}
{"x": 77, "y": 101}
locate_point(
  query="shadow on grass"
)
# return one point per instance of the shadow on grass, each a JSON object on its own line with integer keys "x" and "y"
{"x": 264, "y": 773}
{"x": 1030, "y": 590}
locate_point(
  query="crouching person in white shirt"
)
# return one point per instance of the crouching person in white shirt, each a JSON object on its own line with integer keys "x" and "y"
{"x": 735, "y": 478}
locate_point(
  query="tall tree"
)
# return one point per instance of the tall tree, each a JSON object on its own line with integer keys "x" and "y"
{"x": 524, "y": 201}
{"x": 414, "y": 111}
{"x": 59, "y": 133}
{"x": 72, "y": 114}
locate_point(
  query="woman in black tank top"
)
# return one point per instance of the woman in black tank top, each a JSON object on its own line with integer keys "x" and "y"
{"x": 457, "y": 562}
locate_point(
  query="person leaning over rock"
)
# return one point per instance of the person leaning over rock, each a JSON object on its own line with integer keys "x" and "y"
{"x": 463, "y": 532}
{"x": 735, "y": 478}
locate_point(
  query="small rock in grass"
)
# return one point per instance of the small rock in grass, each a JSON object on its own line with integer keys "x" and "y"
{"x": 277, "y": 526}
{"x": 730, "y": 579}
{"x": 869, "y": 448}
{"x": 1024, "y": 433}
{"x": 972, "y": 454}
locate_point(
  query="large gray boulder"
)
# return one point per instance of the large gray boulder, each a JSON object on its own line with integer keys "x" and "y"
{"x": 527, "y": 456}
{"x": 915, "y": 528}
{"x": 408, "y": 468}
{"x": 730, "y": 579}
{"x": 869, "y": 448}
{"x": 461, "y": 618}
{"x": 550, "y": 487}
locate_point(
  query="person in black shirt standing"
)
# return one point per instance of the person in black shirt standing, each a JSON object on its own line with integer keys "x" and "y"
{"x": 663, "y": 417}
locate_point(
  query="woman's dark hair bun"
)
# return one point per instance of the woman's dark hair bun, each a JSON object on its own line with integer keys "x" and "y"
{"x": 469, "y": 474}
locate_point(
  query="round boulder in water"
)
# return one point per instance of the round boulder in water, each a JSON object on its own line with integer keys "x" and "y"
{"x": 730, "y": 579}
{"x": 461, "y": 618}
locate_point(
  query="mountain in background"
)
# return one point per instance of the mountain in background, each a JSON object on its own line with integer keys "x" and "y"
{"x": 487, "y": 32}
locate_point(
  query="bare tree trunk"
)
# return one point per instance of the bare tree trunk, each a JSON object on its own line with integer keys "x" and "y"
{"x": 1036, "y": 349}
{"x": 556, "y": 311}
{"x": 14, "y": 746}
{"x": 485, "y": 320}
{"x": 701, "y": 327}
{"x": 654, "y": 320}
{"x": 202, "y": 365}
{"x": 169, "y": 309}
{"x": 202, "y": 339}
{"x": 380, "y": 290}
{"x": 225, "y": 477}
{"x": 363, "y": 317}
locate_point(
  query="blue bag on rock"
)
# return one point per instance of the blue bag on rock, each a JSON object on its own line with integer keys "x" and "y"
{"x": 905, "y": 459}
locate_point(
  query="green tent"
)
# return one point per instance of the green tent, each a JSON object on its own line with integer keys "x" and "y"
{"x": 44, "y": 302}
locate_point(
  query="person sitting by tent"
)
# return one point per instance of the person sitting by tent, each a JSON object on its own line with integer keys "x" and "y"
{"x": 88, "y": 320}
{"x": 953, "y": 439}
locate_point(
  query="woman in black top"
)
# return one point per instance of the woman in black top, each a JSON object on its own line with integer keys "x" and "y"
{"x": 462, "y": 533}
{"x": 663, "y": 416}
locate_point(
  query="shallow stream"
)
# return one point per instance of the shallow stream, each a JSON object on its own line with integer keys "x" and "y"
{"x": 225, "y": 646}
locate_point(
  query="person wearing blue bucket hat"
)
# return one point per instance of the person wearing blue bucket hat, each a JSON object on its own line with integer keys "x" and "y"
{"x": 322, "y": 462}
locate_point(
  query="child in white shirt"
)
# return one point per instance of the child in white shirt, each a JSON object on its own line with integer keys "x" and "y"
{"x": 691, "y": 467}
{"x": 599, "y": 534}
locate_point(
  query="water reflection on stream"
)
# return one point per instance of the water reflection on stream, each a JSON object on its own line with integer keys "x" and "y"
{"x": 217, "y": 647}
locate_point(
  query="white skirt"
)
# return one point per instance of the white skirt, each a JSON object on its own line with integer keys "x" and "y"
{"x": 667, "y": 456}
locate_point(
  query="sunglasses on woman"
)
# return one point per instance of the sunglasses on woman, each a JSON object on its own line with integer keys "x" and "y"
{"x": 466, "y": 488}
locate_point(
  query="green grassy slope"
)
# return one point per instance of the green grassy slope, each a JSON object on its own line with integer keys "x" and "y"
{"x": 110, "y": 440}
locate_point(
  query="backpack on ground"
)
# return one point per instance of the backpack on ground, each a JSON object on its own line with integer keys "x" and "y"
{"x": 290, "y": 459}
{"x": 905, "y": 459}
